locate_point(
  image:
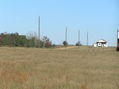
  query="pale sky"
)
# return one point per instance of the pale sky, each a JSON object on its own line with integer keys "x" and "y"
{"x": 99, "y": 17}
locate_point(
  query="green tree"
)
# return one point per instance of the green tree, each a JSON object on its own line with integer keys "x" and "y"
{"x": 65, "y": 43}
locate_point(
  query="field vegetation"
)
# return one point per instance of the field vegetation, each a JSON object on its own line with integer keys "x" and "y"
{"x": 59, "y": 68}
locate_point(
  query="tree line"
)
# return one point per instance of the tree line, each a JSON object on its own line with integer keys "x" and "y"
{"x": 17, "y": 40}
{"x": 29, "y": 40}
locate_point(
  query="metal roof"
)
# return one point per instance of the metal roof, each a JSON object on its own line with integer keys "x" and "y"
{"x": 101, "y": 41}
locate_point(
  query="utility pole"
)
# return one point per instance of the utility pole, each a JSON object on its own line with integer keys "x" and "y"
{"x": 87, "y": 38}
{"x": 39, "y": 27}
{"x": 66, "y": 35}
{"x": 79, "y": 36}
{"x": 39, "y": 38}
{"x": 117, "y": 40}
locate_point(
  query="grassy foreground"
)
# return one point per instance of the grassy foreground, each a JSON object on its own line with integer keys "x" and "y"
{"x": 74, "y": 68}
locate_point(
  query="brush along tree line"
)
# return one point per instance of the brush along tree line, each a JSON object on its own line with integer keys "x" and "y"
{"x": 16, "y": 40}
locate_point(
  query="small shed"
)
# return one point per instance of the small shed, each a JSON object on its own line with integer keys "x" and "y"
{"x": 101, "y": 43}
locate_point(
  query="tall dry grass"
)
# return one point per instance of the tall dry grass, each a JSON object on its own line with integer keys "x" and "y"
{"x": 74, "y": 68}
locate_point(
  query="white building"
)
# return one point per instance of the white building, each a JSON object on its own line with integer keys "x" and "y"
{"x": 101, "y": 43}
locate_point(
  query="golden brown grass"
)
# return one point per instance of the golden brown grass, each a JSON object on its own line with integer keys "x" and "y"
{"x": 74, "y": 68}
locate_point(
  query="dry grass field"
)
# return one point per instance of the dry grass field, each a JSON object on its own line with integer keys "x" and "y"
{"x": 70, "y": 68}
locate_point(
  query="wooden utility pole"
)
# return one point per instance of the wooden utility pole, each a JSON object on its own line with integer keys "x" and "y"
{"x": 79, "y": 36}
{"x": 39, "y": 27}
{"x": 39, "y": 38}
{"x": 87, "y": 38}
{"x": 66, "y": 35}
{"x": 117, "y": 40}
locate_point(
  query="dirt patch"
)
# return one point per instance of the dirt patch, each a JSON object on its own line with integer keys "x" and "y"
{"x": 70, "y": 47}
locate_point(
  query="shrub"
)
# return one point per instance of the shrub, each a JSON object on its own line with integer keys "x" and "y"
{"x": 65, "y": 43}
{"x": 78, "y": 44}
{"x": 46, "y": 42}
